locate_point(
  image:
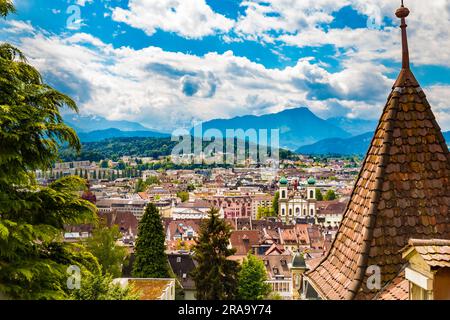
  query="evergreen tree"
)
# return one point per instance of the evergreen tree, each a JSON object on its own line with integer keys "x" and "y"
{"x": 252, "y": 277}
{"x": 76, "y": 172}
{"x": 94, "y": 175}
{"x": 319, "y": 196}
{"x": 276, "y": 197}
{"x": 33, "y": 259}
{"x": 150, "y": 257}
{"x": 6, "y": 7}
{"x": 215, "y": 276}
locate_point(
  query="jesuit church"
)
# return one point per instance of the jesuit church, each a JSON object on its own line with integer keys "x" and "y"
{"x": 297, "y": 204}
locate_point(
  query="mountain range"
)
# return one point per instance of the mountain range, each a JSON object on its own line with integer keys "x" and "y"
{"x": 356, "y": 145}
{"x": 299, "y": 130}
{"x": 95, "y": 128}
{"x": 297, "y": 127}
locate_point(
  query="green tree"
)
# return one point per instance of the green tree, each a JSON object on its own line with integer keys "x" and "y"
{"x": 252, "y": 277}
{"x": 190, "y": 187}
{"x": 103, "y": 246}
{"x": 150, "y": 257}
{"x": 276, "y": 198}
{"x": 184, "y": 196}
{"x": 265, "y": 212}
{"x": 33, "y": 259}
{"x": 330, "y": 195}
{"x": 152, "y": 180}
{"x": 94, "y": 175}
{"x": 121, "y": 165}
{"x": 104, "y": 164}
{"x": 140, "y": 186}
{"x": 102, "y": 288}
{"x": 215, "y": 276}
{"x": 319, "y": 196}
{"x": 6, "y": 7}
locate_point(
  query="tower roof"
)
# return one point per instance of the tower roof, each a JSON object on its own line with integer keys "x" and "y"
{"x": 298, "y": 261}
{"x": 402, "y": 192}
{"x": 283, "y": 180}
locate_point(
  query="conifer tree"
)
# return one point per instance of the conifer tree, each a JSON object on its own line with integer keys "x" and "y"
{"x": 33, "y": 259}
{"x": 215, "y": 276}
{"x": 150, "y": 257}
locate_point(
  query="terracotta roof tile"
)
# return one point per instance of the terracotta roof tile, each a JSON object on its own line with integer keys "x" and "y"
{"x": 397, "y": 289}
{"x": 402, "y": 192}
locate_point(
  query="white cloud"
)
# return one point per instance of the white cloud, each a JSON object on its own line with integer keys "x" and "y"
{"x": 82, "y": 3}
{"x": 188, "y": 18}
{"x": 166, "y": 90}
{"x": 300, "y": 23}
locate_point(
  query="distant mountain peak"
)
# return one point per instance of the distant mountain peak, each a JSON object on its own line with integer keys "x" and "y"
{"x": 298, "y": 126}
{"x": 87, "y": 123}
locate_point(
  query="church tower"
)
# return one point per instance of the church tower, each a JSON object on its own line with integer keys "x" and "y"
{"x": 402, "y": 193}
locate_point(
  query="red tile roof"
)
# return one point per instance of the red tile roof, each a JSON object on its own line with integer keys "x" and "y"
{"x": 243, "y": 240}
{"x": 397, "y": 289}
{"x": 435, "y": 252}
{"x": 402, "y": 192}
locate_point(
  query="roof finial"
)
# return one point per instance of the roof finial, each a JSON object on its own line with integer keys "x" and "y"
{"x": 402, "y": 13}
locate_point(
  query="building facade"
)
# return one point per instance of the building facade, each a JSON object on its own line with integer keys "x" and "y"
{"x": 295, "y": 201}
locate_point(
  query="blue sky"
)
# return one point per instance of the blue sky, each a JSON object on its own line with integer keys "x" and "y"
{"x": 172, "y": 63}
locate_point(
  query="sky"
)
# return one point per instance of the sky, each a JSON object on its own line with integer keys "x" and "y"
{"x": 170, "y": 64}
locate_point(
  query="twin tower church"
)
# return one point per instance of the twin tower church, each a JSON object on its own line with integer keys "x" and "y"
{"x": 297, "y": 204}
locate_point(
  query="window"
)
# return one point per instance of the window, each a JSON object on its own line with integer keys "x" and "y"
{"x": 311, "y": 194}
{"x": 282, "y": 212}
{"x": 312, "y": 212}
{"x": 297, "y": 211}
{"x": 290, "y": 212}
{"x": 283, "y": 194}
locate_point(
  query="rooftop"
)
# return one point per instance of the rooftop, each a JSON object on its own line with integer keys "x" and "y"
{"x": 402, "y": 192}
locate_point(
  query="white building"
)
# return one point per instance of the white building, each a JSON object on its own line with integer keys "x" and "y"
{"x": 297, "y": 201}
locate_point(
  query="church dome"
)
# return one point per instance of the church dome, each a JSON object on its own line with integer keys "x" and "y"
{"x": 283, "y": 180}
{"x": 311, "y": 181}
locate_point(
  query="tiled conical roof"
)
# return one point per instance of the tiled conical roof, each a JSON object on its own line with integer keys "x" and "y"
{"x": 402, "y": 192}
